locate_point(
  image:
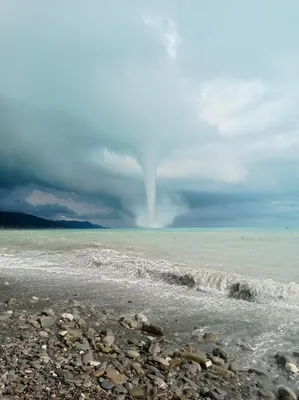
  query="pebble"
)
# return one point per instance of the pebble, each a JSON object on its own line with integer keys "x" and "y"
{"x": 291, "y": 367}
{"x": 192, "y": 384}
{"x": 138, "y": 369}
{"x": 154, "y": 348}
{"x": 154, "y": 329}
{"x": 223, "y": 372}
{"x": 175, "y": 362}
{"x": 285, "y": 391}
{"x": 87, "y": 384}
{"x": 81, "y": 323}
{"x": 200, "y": 358}
{"x": 120, "y": 389}
{"x": 137, "y": 392}
{"x": 267, "y": 394}
{"x": 222, "y": 392}
{"x": 161, "y": 361}
{"x": 115, "y": 376}
{"x": 160, "y": 383}
{"x": 83, "y": 346}
{"x": 217, "y": 361}
{"x": 210, "y": 337}
{"x": 48, "y": 312}
{"x": 194, "y": 368}
{"x": 257, "y": 371}
{"x": 210, "y": 375}
{"x": 44, "y": 357}
{"x": 98, "y": 373}
{"x": 90, "y": 333}
{"x": 104, "y": 349}
{"x": 47, "y": 322}
{"x": 24, "y": 326}
{"x": 133, "y": 324}
{"x": 141, "y": 318}
{"x": 215, "y": 395}
{"x": 94, "y": 363}
{"x": 87, "y": 357}
{"x": 176, "y": 390}
{"x": 109, "y": 340}
{"x": 133, "y": 354}
{"x": 107, "y": 385}
{"x": 245, "y": 346}
{"x": 68, "y": 317}
{"x": 43, "y": 334}
{"x": 218, "y": 352}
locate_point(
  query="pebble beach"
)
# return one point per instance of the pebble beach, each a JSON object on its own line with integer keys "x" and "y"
{"x": 73, "y": 349}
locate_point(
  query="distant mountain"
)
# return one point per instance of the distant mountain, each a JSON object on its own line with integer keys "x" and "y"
{"x": 26, "y": 221}
{"x": 80, "y": 225}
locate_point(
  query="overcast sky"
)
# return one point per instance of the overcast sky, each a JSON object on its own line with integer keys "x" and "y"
{"x": 94, "y": 92}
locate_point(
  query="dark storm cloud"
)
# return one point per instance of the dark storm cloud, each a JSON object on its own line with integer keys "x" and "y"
{"x": 90, "y": 96}
{"x": 54, "y": 161}
{"x": 48, "y": 211}
{"x": 196, "y": 200}
{"x": 68, "y": 205}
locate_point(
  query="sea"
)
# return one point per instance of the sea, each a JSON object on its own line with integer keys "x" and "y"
{"x": 242, "y": 284}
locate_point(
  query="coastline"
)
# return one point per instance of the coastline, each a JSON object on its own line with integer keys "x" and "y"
{"x": 126, "y": 361}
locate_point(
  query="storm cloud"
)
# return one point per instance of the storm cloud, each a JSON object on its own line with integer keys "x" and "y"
{"x": 94, "y": 94}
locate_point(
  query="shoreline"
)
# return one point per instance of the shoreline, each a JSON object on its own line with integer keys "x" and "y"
{"x": 75, "y": 349}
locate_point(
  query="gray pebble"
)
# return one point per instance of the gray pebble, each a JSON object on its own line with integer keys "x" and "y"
{"x": 47, "y": 322}
{"x": 106, "y": 385}
{"x": 154, "y": 329}
{"x": 87, "y": 357}
{"x": 285, "y": 391}
{"x": 267, "y": 394}
{"x": 257, "y": 371}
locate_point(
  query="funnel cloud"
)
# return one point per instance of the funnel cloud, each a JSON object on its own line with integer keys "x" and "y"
{"x": 155, "y": 114}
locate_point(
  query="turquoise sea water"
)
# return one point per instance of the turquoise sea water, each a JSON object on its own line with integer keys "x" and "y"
{"x": 266, "y": 253}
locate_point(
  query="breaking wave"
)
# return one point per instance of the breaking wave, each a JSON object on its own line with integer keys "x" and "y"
{"x": 130, "y": 266}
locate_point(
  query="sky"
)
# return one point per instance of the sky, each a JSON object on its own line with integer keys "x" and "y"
{"x": 100, "y": 100}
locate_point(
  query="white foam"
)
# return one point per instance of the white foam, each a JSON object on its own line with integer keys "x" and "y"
{"x": 132, "y": 266}
{"x": 125, "y": 265}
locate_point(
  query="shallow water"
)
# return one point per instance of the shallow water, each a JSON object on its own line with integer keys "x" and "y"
{"x": 175, "y": 274}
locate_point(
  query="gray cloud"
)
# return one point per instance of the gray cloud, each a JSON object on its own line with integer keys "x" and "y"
{"x": 93, "y": 97}
{"x": 52, "y": 204}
